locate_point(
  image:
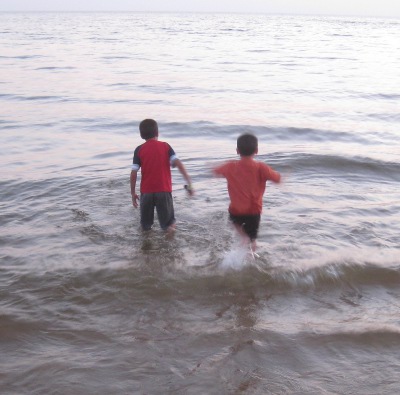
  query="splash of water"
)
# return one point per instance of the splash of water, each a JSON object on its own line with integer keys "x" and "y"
{"x": 237, "y": 258}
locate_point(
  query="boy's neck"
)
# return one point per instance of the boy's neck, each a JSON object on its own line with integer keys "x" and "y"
{"x": 247, "y": 157}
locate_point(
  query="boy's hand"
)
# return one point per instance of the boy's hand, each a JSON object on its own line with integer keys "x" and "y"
{"x": 135, "y": 199}
{"x": 189, "y": 189}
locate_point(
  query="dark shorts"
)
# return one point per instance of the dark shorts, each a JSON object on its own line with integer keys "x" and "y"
{"x": 163, "y": 203}
{"x": 249, "y": 224}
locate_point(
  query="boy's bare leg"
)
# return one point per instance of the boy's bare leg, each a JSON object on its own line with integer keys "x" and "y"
{"x": 243, "y": 236}
{"x": 171, "y": 230}
{"x": 245, "y": 240}
{"x": 253, "y": 246}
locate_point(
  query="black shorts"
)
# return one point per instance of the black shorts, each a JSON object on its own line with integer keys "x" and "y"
{"x": 163, "y": 203}
{"x": 249, "y": 224}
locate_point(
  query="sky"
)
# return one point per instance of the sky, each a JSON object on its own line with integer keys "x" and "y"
{"x": 378, "y": 8}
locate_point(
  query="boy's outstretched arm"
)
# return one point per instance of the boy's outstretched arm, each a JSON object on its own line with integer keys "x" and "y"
{"x": 275, "y": 176}
{"x": 135, "y": 197}
{"x": 177, "y": 163}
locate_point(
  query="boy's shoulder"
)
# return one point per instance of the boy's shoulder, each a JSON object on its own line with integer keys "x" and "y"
{"x": 254, "y": 165}
{"x": 157, "y": 142}
{"x": 150, "y": 142}
{"x": 226, "y": 163}
{"x": 258, "y": 163}
{"x": 149, "y": 147}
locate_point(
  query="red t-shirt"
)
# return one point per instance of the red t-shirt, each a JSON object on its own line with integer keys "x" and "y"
{"x": 246, "y": 184}
{"x": 154, "y": 159}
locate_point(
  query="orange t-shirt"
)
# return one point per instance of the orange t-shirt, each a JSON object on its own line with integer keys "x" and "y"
{"x": 246, "y": 184}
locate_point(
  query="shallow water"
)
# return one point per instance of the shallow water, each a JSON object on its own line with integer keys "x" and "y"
{"x": 89, "y": 304}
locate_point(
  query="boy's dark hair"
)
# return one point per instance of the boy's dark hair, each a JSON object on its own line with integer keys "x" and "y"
{"x": 247, "y": 144}
{"x": 148, "y": 129}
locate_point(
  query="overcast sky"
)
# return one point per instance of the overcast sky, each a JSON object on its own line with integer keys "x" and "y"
{"x": 390, "y": 8}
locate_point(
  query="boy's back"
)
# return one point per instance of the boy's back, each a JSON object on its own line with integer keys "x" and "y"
{"x": 246, "y": 180}
{"x": 154, "y": 157}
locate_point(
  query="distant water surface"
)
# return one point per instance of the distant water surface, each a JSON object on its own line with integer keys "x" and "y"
{"x": 90, "y": 305}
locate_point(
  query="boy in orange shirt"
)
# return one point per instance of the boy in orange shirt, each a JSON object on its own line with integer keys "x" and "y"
{"x": 246, "y": 180}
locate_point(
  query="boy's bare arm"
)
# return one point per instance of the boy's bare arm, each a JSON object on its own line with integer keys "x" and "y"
{"x": 135, "y": 197}
{"x": 275, "y": 176}
{"x": 177, "y": 163}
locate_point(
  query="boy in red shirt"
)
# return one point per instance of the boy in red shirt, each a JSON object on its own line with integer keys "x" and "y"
{"x": 246, "y": 180}
{"x": 155, "y": 159}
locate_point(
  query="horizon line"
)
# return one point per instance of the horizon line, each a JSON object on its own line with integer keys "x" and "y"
{"x": 281, "y": 13}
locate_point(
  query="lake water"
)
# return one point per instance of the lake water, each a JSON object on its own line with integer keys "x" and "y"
{"x": 90, "y": 305}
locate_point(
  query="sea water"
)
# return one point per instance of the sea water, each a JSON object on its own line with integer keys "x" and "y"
{"x": 91, "y": 305}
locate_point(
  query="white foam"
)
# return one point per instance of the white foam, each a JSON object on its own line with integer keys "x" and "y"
{"x": 236, "y": 258}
